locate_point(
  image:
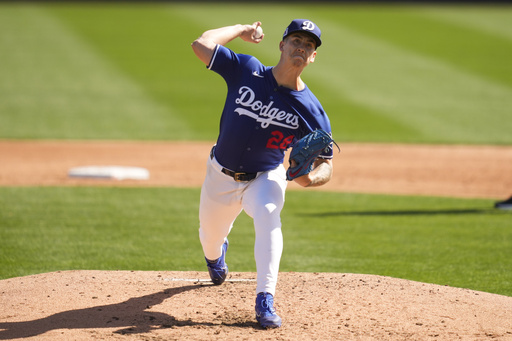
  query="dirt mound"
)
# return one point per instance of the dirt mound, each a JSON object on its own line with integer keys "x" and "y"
{"x": 124, "y": 305}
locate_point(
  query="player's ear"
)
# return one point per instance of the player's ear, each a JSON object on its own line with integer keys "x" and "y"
{"x": 281, "y": 45}
{"x": 312, "y": 58}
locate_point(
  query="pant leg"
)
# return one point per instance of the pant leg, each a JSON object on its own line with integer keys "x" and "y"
{"x": 263, "y": 201}
{"x": 219, "y": 206}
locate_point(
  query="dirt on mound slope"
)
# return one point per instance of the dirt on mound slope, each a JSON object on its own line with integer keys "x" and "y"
{"x": 124, "y": 305}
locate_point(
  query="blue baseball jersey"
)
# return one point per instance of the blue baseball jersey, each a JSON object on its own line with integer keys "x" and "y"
{"x": 261, "y": 119}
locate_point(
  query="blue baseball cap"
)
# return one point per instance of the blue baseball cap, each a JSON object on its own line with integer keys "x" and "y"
{"x": 304, "y": 25}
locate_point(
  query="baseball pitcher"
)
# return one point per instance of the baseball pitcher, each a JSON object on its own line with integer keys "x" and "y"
{"x": 267, "y": 110}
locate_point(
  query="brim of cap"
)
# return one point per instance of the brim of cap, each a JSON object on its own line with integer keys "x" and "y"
{"x": 317, "y": 40}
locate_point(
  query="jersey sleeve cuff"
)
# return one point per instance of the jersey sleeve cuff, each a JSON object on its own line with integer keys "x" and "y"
{"x": 213, "y": 57}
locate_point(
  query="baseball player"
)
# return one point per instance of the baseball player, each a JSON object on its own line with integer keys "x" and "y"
{"x": 267, "y": 109}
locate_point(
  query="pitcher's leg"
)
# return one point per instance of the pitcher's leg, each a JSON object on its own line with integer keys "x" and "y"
{"x": 263, "y": 201}
{"x": 215, "y": 220}
{"x": 268, "y": 248}
{"x": 219, "y": 206}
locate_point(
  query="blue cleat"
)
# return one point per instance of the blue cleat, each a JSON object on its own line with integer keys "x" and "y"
{"x": 265, "y": 312}
{"x": 218, "y": 268}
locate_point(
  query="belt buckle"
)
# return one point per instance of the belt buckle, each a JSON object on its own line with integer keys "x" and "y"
{"x": 237, "y": 177}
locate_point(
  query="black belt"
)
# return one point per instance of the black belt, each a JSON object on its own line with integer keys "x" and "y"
{"x": 237, "y": 176}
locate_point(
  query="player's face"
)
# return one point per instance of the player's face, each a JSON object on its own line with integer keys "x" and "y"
{"x": 299, "y": 48}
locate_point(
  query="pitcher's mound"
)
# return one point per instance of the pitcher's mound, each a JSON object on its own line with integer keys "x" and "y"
{"x": 137, "y": 305}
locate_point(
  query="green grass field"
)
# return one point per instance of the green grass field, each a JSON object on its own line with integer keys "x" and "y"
{"x": 126, "y": 71}
{"x": 405, "y": 74}
{"x": 462, "y": 243}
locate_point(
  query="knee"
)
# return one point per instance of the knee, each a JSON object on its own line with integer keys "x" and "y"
{"x": 268, "y": 210}
{"x": 268, "y": 215}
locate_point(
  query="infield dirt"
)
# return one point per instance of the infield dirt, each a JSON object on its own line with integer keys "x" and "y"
{"x": 453, "y": 171}
{"x": 124, "y": 305}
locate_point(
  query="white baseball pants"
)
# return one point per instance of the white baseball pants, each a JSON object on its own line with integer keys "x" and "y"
{"x": 223, "y": 199}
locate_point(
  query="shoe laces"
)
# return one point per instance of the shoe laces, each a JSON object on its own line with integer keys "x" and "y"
{"x": 267, "y": 302}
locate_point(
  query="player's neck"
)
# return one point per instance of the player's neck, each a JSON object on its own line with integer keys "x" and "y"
{"x": 288, "y": 77}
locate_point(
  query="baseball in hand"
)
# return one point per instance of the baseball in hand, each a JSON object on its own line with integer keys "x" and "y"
{"x": 258, "y": 33}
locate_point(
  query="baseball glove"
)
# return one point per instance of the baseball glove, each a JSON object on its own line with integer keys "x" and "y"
{"x": 306, "y": 150}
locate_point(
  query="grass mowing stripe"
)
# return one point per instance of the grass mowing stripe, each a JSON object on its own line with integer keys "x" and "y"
{"x": 479, "y": 41}
{"x": 60, "y": 87}
{"x": 413, "y": 28}
{"x": 48, "y": 229}
{"x": 463, "y": 243}
{"x": 150, "y": 48}
{"x": 433, "y": 97}
{"x": 495, "y": 20}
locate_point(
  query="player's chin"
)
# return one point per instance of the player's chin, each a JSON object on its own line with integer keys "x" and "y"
{"x": 299, "y": 61}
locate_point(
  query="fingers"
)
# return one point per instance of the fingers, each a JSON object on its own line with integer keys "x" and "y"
{"x": 251, "y": 36}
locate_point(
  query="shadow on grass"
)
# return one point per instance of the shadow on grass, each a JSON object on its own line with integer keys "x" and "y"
{"x": 403, "y": 212}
